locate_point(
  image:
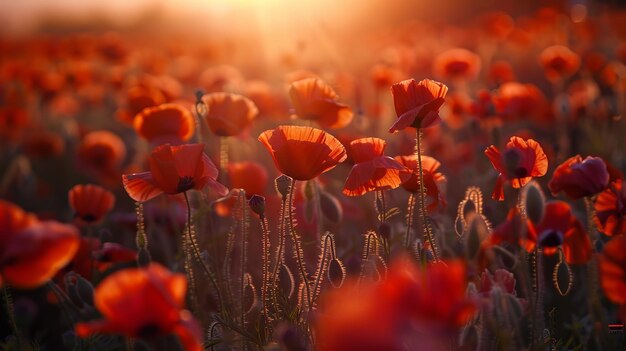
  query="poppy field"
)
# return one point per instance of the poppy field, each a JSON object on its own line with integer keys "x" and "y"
{"x": 313, "y": 176}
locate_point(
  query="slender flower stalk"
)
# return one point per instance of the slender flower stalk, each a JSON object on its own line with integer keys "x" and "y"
{"x": 426, "y": 229}
{"x": 298, "y": 253}
{"x": 196, "y": 251}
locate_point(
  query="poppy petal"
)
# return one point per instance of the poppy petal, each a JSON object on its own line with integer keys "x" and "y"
{"x": 38, "y": 252}
{"x": 140, "y": 186}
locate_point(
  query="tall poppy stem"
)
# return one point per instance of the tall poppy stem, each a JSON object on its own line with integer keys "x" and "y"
{"x": 223, "y": 155}
{"x": 244, "y": 237}
{"x": 595, "y": 305}
{"x": 422, "y": 201}
{"x": 8, "y": 304}
{"x": 409, "y": 220}
{"x": 299, "y": 254}
{"x": 196, "y": 251}
{"x": 280, "y": 251}
{"x": 267, "y": 282}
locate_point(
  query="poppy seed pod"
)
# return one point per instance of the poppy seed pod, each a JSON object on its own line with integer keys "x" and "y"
{"x": 283, "y": 184}
{"x": 257, "y": 205}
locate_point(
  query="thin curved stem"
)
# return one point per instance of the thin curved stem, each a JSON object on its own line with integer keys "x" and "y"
{"x": 422, "y": 201}
{"x": 196, "y": 251}
{"x": 298, "y": 246}
{"x": 409, "y": 220}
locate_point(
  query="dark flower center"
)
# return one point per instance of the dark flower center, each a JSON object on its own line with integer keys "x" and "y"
{"x": 513, "y": 164}
{"x": 88, "y": 217}
{"x": 184, "y": 184}
{"x": 148, "y": 331}
{"x": 551, "y": 238}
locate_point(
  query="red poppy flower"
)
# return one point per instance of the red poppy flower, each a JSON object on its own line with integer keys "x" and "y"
{"x": 13, "y": 122}
{"x": 580, "y": 178}
{"x": 167, "y": 122}
{"x": 417, "y": 104}
{"x": 514, "y": 230}
{"x": 384, "y": 75}
{"x": 372, "y": 170}
{"x": 144, "y": 303}
{"x": 303, "y": 153}
{"x": 229, "y": 114}
{"x": 519, "y": 163}
{"x": 249, "y": 176}
{"x": 559, "y": 62}
{"x": 31, "y": 252}
{"x": 102, "y": 152}
{"x": 43, "y": 144}
{"x": 315, "y": 100}
{"x": 91, "y": 202}
{"x": 220, "y": 78}
{"x": 382, "y": 316}
{"x": 610, "y": 207}
{"x": 173, "y": 170}
{"x": 559, "y": 227}
{"x": 500, "y": 72}
{"x": 613, "y": 271}
{"x": 517, "y": 101}
{"x": 434, "y": 181}
{"x": 457, "y": 63}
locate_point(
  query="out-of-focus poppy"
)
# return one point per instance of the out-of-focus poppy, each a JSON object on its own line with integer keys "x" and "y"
{"x": 267, "y": 100}
{"x": 91, "y": 202}
{"x": 303, "y": 153}
{"x": 457, "y": 63}
{"x": 384, "y": 75}
{"x": 220, "y": 78}
{"x": 165, "y": 123}
{"x": 500, "y": 72}
{"x": 144, "y": 303}
{"x": 559, "y": 227}
{"x": 43, "y": 144}
{"x": 434, "y": 181}
{"x": 114, "y": 253}
{"x": 514, "y": 230}
{"x": 383, "y": 316}
{"x": 373, "y": 170}
{"x": 559, "y": 62}
{"x": 613, "y": 272}
{"x": 229, "y": 114}
{"x": 101, "y": 151}
{"x": 518, "y": 163}
{"x": 417, "y": 104}
{"x": 515, "y": 101}
{"x": 13, "y": 121}
{"x": 32, "y": 251}
{"x": 249, "y": 176}
{"x": 173, "y": 170}
{"x": 610, "y": 207}
{"x": 580, "y": 178}
{"x": 139, "y": 97}
{"x": 315, "y": 100}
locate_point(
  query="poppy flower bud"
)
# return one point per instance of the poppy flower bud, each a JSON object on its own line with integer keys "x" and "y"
{"x": 257, "y": 205}
{"x": 336, "y": 273}
{"x": 199, "y": 94}
{"x": 533, "y": 202}
{"x": 283, "y": 184}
